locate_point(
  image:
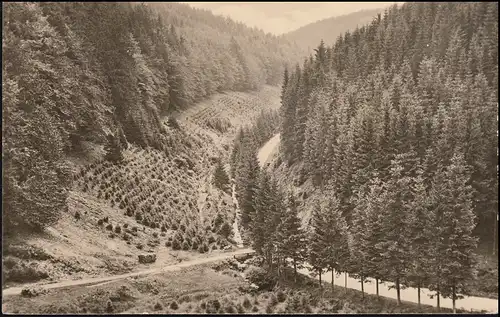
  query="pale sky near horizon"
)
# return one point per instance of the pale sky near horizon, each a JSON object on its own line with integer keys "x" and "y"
{"x": 283, "y": 17}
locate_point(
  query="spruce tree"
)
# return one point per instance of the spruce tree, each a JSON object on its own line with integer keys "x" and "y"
{"x": 335, "y": 237}
{"x": 316, "y": 251}
{"x": 291, "y": 237}
{"x": 394, "y": 238}
{"x": 455, "y": 221}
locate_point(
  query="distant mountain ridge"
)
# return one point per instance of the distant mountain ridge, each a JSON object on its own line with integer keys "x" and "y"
{"x": 308, "y": 36}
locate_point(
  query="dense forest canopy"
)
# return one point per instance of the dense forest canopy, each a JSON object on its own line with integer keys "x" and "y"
{"x": 395, "y": 127}
{"x": 76, "y": 72}
{"x": 420, "y": 80}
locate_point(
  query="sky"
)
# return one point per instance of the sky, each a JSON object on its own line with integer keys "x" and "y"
{"x": 283, "y": 17}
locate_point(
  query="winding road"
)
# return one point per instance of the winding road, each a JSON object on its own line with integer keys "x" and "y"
{"x": 99, "y": 280}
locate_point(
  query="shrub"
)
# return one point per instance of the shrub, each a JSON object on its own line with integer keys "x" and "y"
{"x": 109, "y": 307}
{"x": 281, "y": 296}
{"x": 176, "y": 245}
{"x": 139, "y": 246}
{"x": 155, "y": 234}
{"x": 240, "y": 309}
{"x": 118, "y": 229}
{"x": 261, "y": 278}
{"x": 125, "y": 226}
{"x": 213, "y": 306}
{"x": 100, "y": 222}
{"x": 158, "y": 306}
{"x": 230, "y": 309}
{"x": 185, "y": 245}
{"x": 126, "y": 237}
{"x": 106, "y": 219}
{"x": 168, "y": 243}
{"x": 273, "y": 300}
{"x": 135, "y": 229}
{"x": 255, "y": 309}
{"x": 226, "y": 230}
{"x": 195, "y": 245}
{"x": 246, "y": 303}
{"x": 109, "y": 227}
{"x": 269, "y": 309}
{"x": 174, "y": 305}
{"x": 77, "y": 215}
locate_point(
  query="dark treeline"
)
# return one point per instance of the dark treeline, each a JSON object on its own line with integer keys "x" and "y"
{"x": 244, "y": 163}
{"x": 75, "y": 72}
{"x": 396, "y": 126}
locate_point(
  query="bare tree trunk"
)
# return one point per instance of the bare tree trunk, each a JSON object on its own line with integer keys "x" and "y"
{"x": 362, "y": 287}
{"x": 454, "y": 299}
{"x": 319, "y": 278}
{"x": 376, "y": 281}
{"x": 398, "y": 290}
{"x": 438, "y": 304}
{"x": 345, "y": 282}
{"x": 294, "y": 270}
{"x": 278, "y": 264}
{"x": 418, "y": 292}
{"x": 333, "y": 278}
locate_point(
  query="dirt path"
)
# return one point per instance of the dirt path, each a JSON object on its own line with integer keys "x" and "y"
{"x": 236, "y": 229}
{"x": 99, "y": 280}
{"x": 268, "y": 148}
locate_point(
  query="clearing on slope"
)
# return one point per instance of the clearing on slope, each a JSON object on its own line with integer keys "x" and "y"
{"x": 148, "y": 203}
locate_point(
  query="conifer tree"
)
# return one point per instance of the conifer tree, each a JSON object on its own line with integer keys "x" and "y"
{"x": 420, "y": 231}
{"x": 335, "y": 237}
{"x": 394, "y": 239}
{"x": 316, "y": 250}
{"x": 454, "y": 222}
{"x": 291, "y": 237}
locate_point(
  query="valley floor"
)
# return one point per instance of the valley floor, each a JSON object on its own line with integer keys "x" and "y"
{"x": 207, "y": 288}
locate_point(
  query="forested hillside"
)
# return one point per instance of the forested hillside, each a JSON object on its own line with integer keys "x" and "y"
{"x": 419, "y": 84}
{"x": 308, "y": 36}
{"x": 393, "y": 131}
{"x": 106, "y": 73}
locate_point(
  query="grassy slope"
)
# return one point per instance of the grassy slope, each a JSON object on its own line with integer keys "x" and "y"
{"x": 164, "y": 188}
{"x": 204, "y": 289}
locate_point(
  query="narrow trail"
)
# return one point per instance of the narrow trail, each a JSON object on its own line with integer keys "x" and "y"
{"x": 236, "y": 229}
{"x": 268, "y": 148}
{"x": 409, "y": 294}
{"x": 102, "y": 280}
{"x": 237, "y": 218}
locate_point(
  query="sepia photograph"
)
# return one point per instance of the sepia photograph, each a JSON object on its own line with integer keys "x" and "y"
{"x": 249, "y": 158}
